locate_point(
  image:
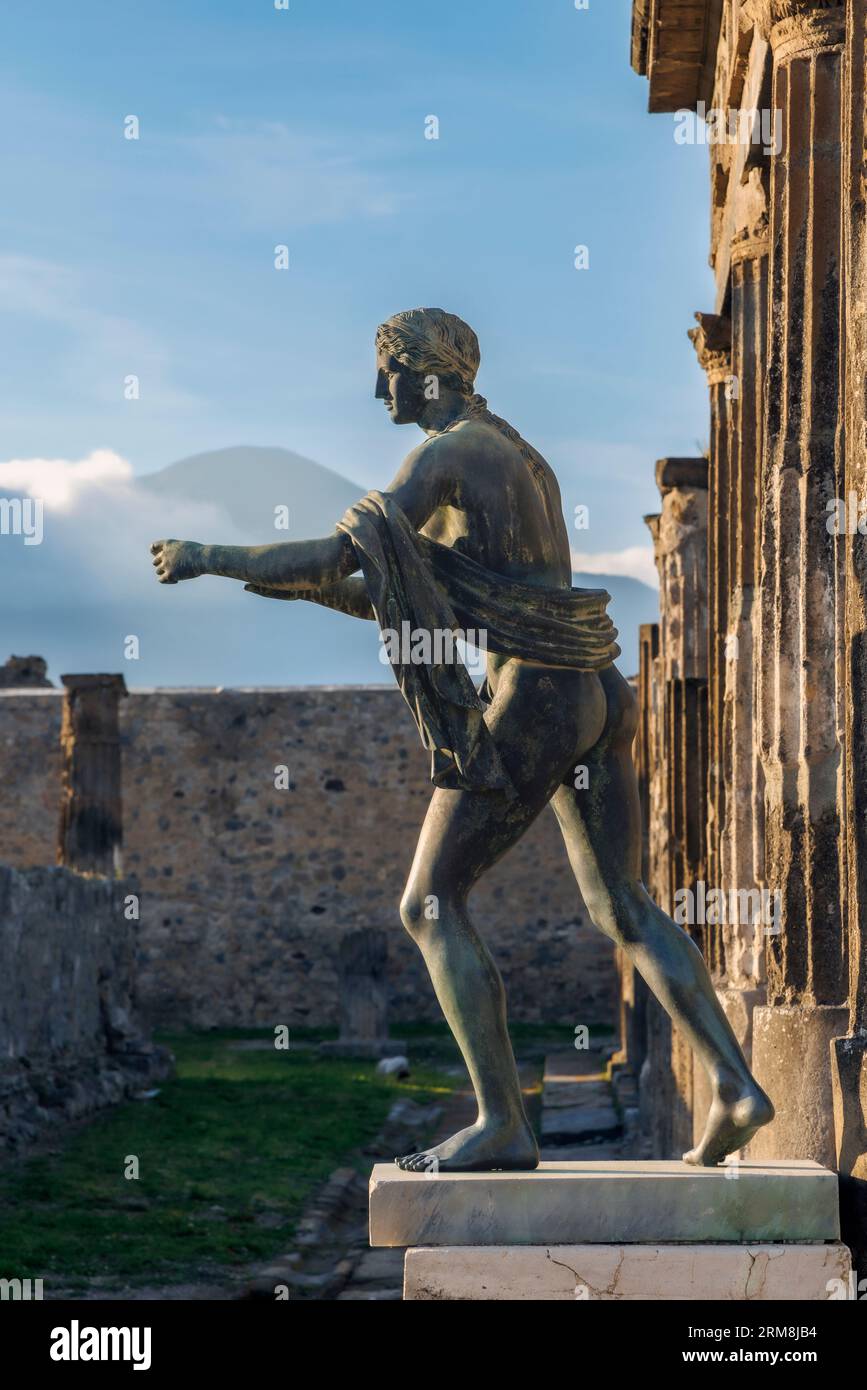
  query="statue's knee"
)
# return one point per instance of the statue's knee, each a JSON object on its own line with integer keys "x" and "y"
{"x": 419, "y": 910}
{"x": 412, "y": 910}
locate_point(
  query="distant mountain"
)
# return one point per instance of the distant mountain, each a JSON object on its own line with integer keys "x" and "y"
{"x": 78, "y": 597}
{"x": 247, "y": 482}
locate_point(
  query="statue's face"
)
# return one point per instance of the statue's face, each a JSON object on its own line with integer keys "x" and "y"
{"x": 400, "y": 388}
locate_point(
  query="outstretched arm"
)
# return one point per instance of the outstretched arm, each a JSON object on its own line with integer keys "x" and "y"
{"x": 285, "y": 565}
{"x": 420, "y": 487}
{"x": 349, "y": 596}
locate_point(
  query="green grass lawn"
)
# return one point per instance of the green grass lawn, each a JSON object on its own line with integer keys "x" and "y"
{"x": 228, "y": 1153}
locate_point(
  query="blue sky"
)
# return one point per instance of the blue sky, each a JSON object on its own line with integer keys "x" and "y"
{"x": 306, "y": 127}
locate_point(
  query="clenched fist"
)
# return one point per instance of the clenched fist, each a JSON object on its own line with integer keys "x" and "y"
{"x": 177, "y": 560}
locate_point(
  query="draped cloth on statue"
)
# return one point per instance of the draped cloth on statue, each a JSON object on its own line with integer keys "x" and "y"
{"x": 434, "y": 589}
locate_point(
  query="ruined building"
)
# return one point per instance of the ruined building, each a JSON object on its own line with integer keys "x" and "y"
{"x": 752, "y": 747}
{"x": 70, "y": 1037}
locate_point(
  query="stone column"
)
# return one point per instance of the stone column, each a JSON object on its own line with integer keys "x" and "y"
{"x": 799, "y": 588}
{"x": 680, "y": 542}
{"x": 849, "y": 1053}
{"x": 742, "y": 836}
{"x": 647, "y": 750}
{"x": 677, "y": 841}
{"x": 712, "y": 342}
{"x": 738, "y": 961}
{"x": 91, "y": 826}
{"x": 648, "y": 766}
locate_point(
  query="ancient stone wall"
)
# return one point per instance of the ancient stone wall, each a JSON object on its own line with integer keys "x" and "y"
{"x": 247, "y": 884}
{"x": 69, "y": 1038}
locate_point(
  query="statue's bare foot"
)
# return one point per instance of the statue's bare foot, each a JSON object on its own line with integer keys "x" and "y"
{"x": 482, "y": 1148}
{"x": 731, "y": 1125}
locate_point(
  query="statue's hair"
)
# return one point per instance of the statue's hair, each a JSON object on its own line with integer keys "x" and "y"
{"x": 435, "y": 343}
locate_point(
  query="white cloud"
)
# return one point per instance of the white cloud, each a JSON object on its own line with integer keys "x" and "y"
{"x": 99, "y": 523}
{"x": 58, "y": 482}
{"x": 636, "y": 562}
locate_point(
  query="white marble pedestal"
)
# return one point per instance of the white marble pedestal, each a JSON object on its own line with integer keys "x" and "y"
{"x": 615, "y": 1230}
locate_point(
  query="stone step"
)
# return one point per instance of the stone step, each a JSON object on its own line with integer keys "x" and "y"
{"x": 578, "y": 1123}
{"x": 572, "y": 1064}
{"x": 606, "y": 1202}
{"x": 623, "y": 1273}
{"x": 560, "y": 1094}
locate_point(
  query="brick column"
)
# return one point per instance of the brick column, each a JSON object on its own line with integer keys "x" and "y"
{"x": 91, "y": 828}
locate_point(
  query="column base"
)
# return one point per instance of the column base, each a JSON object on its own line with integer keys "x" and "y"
{"x": 791, "y": 1061}
{"x": 849, "y": 1085}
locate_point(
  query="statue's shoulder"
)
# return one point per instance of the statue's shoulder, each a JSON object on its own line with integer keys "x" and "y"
{"x": 452, "y": 452}
{"x": 448, "y": 444}
{"x": 473, "y": 435}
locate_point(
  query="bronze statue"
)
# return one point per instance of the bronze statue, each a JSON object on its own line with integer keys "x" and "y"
{"x": 471, "y": 532}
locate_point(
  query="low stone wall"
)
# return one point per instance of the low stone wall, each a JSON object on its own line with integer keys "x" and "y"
{"x": 249, "y": 876}
{"x": 68, "y": 1039}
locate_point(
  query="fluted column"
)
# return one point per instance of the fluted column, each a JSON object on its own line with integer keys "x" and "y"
{"x": 651, "y": 753}
{"x": 738, "y": 787}
{"x": 799, "y": 587}
{"x": 677, "y": 850}
{"x": 647, "y": 757}
{"x": 680, "y": 549}
{"x": 850, "y": 1051}
{"x": 712, "y": 342}
{"x": 742, "y": 831}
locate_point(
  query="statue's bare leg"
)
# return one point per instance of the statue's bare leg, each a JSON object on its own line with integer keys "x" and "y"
{"x": 538, "y": 719}
{"x": 602, "y": 829}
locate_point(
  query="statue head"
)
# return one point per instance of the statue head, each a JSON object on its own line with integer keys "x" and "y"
{"x": 421, "y": 355}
